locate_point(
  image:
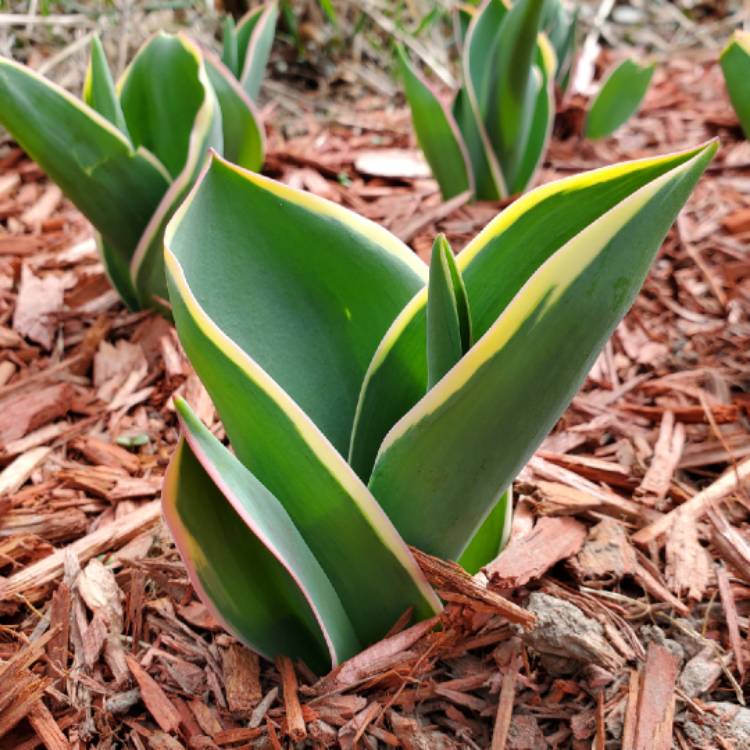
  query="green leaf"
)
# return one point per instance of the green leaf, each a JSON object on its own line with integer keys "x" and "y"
{"x": 471, "y": 102}
{"x": 94, "y": 164}
{"x": 117, "y": 268}
{"x": 461, "y": 16}
{"x": 147, "y": 262}
{"x": 436, "y": 131}
{"x": 540, "y": 129}
{"x": 448, "y": 323}
{"x": 488, "y": 180}
{"x": 229, "y": 51}
{"x": 735, "y": 64}
{"x": 504, "y": 53}
{"x": 244, "y": 31}
{"x": 329, "y": 10}
{"x": 247, "y": 559}
{"x": 254, "y": 41}
{"x": 440, "y": 468}
{"x": 508, "y": 251}
{"x": 99, "y": 88}
{"x": 296, "y": 263}
{"x": 489, "y": 540}
{"x": 161, "y": 93}
{"x": 620, "y": 97}
{"x": 395, "y": 380}
{"x": 561, "y": 27}
{"x": 515, "y": 88}
{"x": 479, "y": 66}
{"x": 280, "y": 321}
{"x": 243, "y": 136}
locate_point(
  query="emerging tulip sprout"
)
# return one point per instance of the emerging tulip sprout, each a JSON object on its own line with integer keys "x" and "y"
{"x": 373, "y": 404}
{"x": 128, "y": 154}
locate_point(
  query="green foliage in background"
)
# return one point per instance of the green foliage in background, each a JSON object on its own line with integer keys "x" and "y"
{"x": 735, "y": 64}
{"x": 372, "y": 403}
{"x": 493, "y": 138}
{"x": 561, "y": 27}
{"x": 619, "y": 97}
{"x": 127, "y": 154}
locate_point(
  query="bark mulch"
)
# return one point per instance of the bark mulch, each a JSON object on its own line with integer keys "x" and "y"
{"x": 617, "y": 617}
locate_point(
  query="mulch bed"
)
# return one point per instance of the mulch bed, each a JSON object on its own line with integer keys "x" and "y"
{"x": 618, "y": 616}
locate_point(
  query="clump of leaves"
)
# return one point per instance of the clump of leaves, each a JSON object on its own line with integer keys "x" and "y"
{"x": 495, "y": 134}
{"x": 619, "y": 97}
{"x": 127, "y": 154}
{"x": 735, "y": 64}
{"x": 371, "y": 402}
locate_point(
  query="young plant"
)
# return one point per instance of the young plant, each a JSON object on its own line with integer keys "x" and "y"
{"x": 735, "y": 64}
{"x": 492, "y": 140}
{"x": 127, "y": 154}
{"x": 619, "y": 98}
{"x": 372, "y": 403}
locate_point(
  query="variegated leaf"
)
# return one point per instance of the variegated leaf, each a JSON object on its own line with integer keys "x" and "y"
{"x": 440, "y": 468}
{"x": 281, "y": 337}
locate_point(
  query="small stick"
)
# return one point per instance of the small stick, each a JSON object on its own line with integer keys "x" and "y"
{"x": 730, "y": 611}
{"x": 505, "y": 706}
{"x": 23, "y": 19}
{"x": 698, "y": 505}
{"x": 656, "y": 700}
{"x": 295, "y": 721}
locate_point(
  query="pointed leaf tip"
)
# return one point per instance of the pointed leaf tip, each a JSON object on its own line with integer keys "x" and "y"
{"x": 619, "y": 97}
{"x": 448, "y": 325}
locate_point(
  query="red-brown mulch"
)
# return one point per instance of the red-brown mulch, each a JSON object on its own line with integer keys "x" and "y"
{"x": 617, "y": 617}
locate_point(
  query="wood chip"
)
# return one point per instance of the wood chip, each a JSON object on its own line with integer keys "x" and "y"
{"x": 46, "y": 728}
{"x": 39, "y": 299}
{"x": 688, "y": 562}
{"x": 695, "y": 507}
{"x": 295, "y": 721}
{"x": 730, "y": 612}
{"x": 448, "y": 577}
{"x": 667, "y": 453}
{"x": 607, "y": 552}
{"x": 552, "y": 540}
{"x": 505, "y": 706}
{"x": 100, "y": 452}
{"x": 43, "y": 208}
{"x": 20, "y": 415}
{"x": 16, "y": 474}
{"x": 737, "y": 222}
{"x": 154, "y": 698}
{"x": 733, "y": 546}
{"x": 375, "y": 658}
{"x": 656, "y": 700}
{"x": 241, "y": 670}
{"x": 107, "y": 537}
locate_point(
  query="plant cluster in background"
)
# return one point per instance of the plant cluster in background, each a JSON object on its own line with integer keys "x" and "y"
{"x": 127, "y": 154}
{"x": 493, "y": 138}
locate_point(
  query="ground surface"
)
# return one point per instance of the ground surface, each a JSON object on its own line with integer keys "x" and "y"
{"x": 642, "y": 611}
